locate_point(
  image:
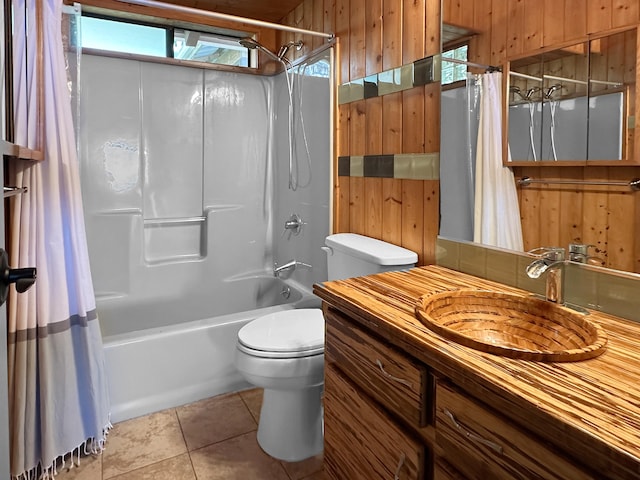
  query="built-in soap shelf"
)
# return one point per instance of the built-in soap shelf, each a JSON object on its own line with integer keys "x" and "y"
{"x": 169, "y": 240}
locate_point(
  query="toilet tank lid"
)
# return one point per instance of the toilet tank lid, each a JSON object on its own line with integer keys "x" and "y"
{"x": 371, "y": 249}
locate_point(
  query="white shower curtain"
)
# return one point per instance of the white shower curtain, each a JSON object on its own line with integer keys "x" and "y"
{"x": 496, "y": 213}
{"x": 58, "y": 403}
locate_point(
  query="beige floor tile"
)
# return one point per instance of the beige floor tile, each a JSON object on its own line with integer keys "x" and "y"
{"x": 214, "y": 419}
{"x": 236, "y": 459}
{"x": 176, "y": 468}
{"x": 305, "y": 468}
{"x": 253, "y": 399}
{"x": 90, "y": 468}
{"x": 142, "y": 441}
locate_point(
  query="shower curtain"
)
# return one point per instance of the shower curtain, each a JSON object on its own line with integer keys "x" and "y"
{"x": 58, "y": 403}
{"x": 496, "y": 212}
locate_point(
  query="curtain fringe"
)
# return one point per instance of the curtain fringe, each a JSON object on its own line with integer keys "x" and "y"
{"x": 90, "y": 446}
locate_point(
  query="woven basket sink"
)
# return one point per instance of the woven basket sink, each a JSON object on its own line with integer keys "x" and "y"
{"x": 513, "y": 326}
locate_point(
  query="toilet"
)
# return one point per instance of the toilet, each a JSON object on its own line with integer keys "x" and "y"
{"x": 283, "y": 352}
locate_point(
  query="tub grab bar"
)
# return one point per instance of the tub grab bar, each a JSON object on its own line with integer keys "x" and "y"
{"x": 173, "y": 221}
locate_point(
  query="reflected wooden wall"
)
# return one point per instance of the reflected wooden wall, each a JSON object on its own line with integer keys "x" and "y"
{"x": 374, "y": 36}
{"x": 607, "y": 217}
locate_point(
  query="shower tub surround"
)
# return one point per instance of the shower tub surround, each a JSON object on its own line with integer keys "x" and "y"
{"x": 181, "y": 172}
{"x": 176, "y": 363}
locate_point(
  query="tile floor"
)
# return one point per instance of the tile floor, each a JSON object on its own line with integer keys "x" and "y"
{"x": 212, "y": 439}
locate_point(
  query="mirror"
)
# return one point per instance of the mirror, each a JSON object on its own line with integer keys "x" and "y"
{"x": 561, "y": 102}
{"x": 586, "y": 215}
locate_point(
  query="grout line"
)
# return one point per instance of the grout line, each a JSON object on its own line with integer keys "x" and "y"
{"x": 247, "y": 406}
{"x": 184, "y": 438}
{"x": 150, "y": 465}
{"x": 285, "y": 470}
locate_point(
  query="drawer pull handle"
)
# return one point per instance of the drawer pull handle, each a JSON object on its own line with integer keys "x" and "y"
{"x": 399, "y": 467}
{"x": 391, "y": 377}
{"x": 472, "y": 436}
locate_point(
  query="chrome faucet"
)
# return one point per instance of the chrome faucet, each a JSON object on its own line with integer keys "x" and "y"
{"x": 293, "y": 225}
{"x": 549, "y": 260}
{"x": 579, "y": 252}
{"x": 288, "y": 267}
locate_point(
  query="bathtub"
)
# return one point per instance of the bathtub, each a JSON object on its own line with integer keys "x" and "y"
{"x": 168, "y": 353}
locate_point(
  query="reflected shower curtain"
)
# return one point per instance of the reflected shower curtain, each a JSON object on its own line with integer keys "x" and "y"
{"x": 58, "y": 403}
{"x": 496, "y": 213}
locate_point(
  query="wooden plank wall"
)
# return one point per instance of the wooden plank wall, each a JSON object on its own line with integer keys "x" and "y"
{"x": 607, "y": 217}
{"x": 374, "y": 36}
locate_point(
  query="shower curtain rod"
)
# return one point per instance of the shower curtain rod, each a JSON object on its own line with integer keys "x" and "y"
{"x": 633, "y": 184}
{"x": 564, "y": 79}
{"x": 489, "y": 68}
{"x": 524, "y": 75}
{"x": 224, "y": 16}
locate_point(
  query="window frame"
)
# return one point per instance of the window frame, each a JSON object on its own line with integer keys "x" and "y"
{"x": 170, "y": 32}
{"x": 452, "y": 46}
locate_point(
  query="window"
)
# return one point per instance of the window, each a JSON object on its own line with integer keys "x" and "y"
{"x": 454, "y": 72}
{"x": 209, "y": 48}
{"x": 116, "y": 35}
{"x": 124, "y": 37}
{"x": 320, "y": 68}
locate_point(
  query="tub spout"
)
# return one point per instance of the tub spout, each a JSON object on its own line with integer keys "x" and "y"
{"x": 288, "y": 267}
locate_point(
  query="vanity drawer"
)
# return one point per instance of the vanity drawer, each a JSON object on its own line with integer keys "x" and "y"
{"x": 361, "y": 442}
{"x": 482, "y": 444}
{"x": 397, "y": 381}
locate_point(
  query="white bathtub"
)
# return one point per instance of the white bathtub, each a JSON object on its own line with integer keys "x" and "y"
{"x": 174, "y": 353}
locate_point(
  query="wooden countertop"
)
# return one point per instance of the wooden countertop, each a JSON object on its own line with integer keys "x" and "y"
{"x": 590, "y": 408}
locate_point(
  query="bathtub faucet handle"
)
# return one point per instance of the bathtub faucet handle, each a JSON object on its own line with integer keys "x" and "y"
{"x": 293, "y": 225}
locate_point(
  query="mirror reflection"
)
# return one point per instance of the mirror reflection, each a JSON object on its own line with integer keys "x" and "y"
{"x": 612, "y": 79}
{"x": 525, "y": 108}
{"x": 573, "y": 103}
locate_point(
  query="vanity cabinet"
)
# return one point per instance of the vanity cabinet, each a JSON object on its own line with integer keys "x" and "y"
{"x": 362, "y": 441}
{"x": 393, "y": 379}
{"x": 391, "y": 416}
{"x": 483, "y": 444}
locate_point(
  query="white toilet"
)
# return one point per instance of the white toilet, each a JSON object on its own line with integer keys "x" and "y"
{"x": 283, "y": 352}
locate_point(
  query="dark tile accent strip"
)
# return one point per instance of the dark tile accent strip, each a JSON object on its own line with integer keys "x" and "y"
{"x": 423, "y": 71}
{"x": 405, "y": 77}
{"x": 371, "y": 86}
{"x": 380, "y": 166}
{"x": 416, "y": 166}
{"x": 344, "y": 166}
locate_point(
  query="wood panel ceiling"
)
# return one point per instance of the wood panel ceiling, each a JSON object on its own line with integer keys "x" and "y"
{"x": 267, "y": 10}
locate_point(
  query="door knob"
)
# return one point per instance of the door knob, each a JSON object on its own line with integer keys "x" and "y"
{"x": 22, "y": 277}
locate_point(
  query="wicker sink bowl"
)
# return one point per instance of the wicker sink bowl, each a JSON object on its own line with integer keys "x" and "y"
{"x": 514, "y": 326}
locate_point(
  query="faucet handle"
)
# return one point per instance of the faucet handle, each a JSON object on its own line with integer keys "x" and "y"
{"x": 555, "y": 254}
{"x": 580, "y": 248}
{"x": 579, "y": 252}
{"x": 293, "y": 225}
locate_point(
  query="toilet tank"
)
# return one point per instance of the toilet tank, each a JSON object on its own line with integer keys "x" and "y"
{"x": 353, "y": 255}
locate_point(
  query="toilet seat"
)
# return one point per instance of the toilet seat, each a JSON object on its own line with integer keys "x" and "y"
{"x": 284, "y": 334}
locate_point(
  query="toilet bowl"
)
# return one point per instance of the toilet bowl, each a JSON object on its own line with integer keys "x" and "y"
{"x": 283, "y": 353}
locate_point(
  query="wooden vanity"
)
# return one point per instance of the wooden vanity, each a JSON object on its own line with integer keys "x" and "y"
{"x": 402, "y": 402}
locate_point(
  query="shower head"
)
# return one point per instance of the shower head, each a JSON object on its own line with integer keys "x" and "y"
{"x": 531, "y": 91}
{"x": 515, "y": 89}
{"x": 285, "y": 48}
{"x": 252, "y": 44}
{"x": 552, "y": 89}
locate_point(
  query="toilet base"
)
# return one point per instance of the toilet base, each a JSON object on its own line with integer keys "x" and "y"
{"x": 291, "y": 426}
